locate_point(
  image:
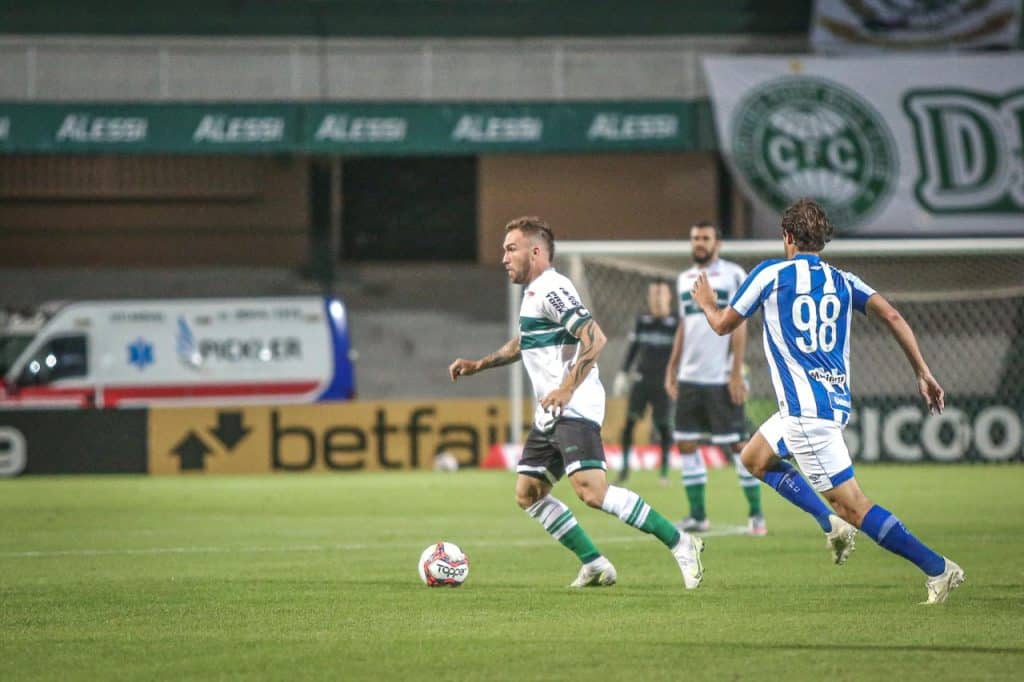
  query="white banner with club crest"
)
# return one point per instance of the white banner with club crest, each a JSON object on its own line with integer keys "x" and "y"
{"x": 847, "y": 26}
{"x": 911, "y": 146}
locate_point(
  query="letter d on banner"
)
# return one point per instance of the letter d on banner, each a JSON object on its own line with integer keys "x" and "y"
{"x": 13, "y": 451}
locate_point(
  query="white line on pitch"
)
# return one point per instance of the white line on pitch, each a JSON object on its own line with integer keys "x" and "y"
{"x": 539, "y": 542}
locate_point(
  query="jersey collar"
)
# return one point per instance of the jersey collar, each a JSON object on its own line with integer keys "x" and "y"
{"x": 812, "y": 258}
{"x": 551, "y": 268}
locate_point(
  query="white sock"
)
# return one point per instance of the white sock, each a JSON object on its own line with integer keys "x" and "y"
{"x": 627, "y": 505}
{"x": 747, "y": 479}
{"x": 553, "y": 515}
{"x": 694, "y": 471}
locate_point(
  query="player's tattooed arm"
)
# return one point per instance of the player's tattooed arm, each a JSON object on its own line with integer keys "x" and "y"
{"x": 592, "y": 341}
{"x": 505, "y": 355}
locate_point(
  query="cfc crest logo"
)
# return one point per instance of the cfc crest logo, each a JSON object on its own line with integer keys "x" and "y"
{"x": 799, "y": 136}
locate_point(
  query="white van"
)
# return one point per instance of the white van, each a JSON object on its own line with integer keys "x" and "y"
{"x": 181, "y": 352}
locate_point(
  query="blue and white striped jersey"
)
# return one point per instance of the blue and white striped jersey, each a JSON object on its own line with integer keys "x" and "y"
{"x": 807, "y": 305}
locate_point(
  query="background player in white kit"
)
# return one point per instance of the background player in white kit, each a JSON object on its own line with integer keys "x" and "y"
{"x": 705, "y": 377}
{"x": 808, "y": 307}
{"x": 559, "y": 343}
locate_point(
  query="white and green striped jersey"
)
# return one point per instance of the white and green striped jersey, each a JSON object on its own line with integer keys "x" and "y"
{"x": 549, "y": 316}
{"x": 706, "y": 357}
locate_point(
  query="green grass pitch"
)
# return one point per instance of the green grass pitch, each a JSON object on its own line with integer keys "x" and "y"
{"x": 314, "y": 577}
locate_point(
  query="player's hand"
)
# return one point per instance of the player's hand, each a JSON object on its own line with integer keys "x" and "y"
{"x": 737, "y": 390}
{"x": 702, "y": 292}
{"x": 556, "y": 401}
{"x": 932, "y": 393}
{"x": 621, "y": 384}
{"x": 462, "y": 368}
{"x": 671, "y": 387}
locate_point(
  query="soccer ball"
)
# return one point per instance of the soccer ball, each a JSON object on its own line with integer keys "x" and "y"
{"x": 443, "y": 565}
{"x": 445, "y": 461}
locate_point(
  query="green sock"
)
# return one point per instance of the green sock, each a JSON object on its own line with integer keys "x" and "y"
{"x": 560, "y": 523}
{"x": 753, "y": 495}
{"x": 580, "y": 544}
{"x": 695, "y": 495}
{"x": 632, "y": 509}
{"x": 661, "y": 528}
{"x": 695, "y": 477}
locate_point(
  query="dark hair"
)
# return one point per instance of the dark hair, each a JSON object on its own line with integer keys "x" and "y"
{"x": 808, "y": 224}
{"x": 532, "y": 227}
{"x": 708, "y": 223}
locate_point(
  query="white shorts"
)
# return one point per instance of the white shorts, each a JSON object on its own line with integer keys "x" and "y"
{"x": 817, "y": 445}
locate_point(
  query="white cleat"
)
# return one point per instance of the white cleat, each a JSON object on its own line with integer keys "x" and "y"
{"x": 597, "y": 573}
{"x": 692, "y": 525}
{"x": 687, "y": 554}
{"x": 840, "y": 539}
{"x": 757, "y": 526}
{"x": 941, "y": 585}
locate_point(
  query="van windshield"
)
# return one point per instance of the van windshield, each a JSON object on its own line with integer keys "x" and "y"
{"x": 62, "y": 357}
{"x": 11, "y": 346}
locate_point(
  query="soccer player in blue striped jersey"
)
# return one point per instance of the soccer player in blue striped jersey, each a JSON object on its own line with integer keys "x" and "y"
{"x": 808, "y": 308}
{"x": 559, "y": 343}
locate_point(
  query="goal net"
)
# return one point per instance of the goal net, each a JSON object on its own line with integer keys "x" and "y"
{"x": 963, "y": 298}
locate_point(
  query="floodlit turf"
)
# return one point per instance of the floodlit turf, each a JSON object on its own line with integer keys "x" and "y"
{"x": 313, "y": 577}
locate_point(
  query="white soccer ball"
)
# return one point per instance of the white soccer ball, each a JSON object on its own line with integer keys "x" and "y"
{"x": 443, "y": 565}
{"x": 445, "y": 461}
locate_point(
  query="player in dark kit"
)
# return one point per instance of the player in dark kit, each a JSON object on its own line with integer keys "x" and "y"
{"x": 643, "y": 372}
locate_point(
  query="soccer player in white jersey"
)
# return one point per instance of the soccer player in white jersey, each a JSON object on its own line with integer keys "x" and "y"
{"x": 559, "y": 342}
{"x": 705, "y": 377}
{"x": 808, "y": 306}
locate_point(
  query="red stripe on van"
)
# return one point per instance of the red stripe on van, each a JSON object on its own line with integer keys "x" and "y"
{"x": 45, "y": 396}
{"x": 115, "y": 394}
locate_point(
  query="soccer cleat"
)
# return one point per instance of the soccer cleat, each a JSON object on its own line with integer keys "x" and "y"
{"x": 664, "y": 482}
{"x": 840, "y": 539}
{"x": 623, "y": 476}
{"x": 941, "y": 585}
{"x": 757, "y": 526}
{"x": 692, "y": 525}
{"x": 597, "y": 573}
{"x": 687, "y": 553}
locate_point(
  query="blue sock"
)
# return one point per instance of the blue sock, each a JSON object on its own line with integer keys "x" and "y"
{"x": 792, "y": 486}
{"x": 889, "y": 532}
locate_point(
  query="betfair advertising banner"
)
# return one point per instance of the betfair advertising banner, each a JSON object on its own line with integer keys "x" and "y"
{"x": 349, "y": 128}
{"x": 914, "y": 146}
{"x": 354, "y": 436}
